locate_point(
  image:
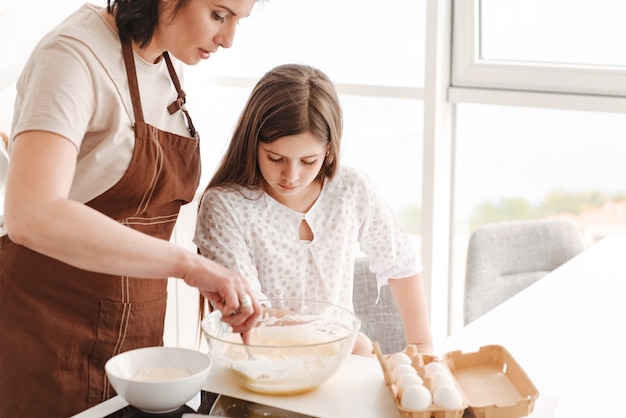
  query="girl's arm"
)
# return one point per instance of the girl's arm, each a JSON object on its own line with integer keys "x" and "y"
{"x": 409, "y": 295}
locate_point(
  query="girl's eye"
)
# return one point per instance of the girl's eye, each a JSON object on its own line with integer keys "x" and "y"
{"x": 218, "y": 17}
{"x": 281, "y": 159}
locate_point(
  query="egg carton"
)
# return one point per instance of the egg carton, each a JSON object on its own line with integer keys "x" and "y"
{"x": 492, "y": 384}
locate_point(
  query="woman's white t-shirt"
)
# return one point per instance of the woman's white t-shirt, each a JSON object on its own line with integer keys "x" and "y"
{"x": 75, "y": 85}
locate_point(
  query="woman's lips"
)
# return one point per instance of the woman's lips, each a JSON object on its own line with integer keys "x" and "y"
{"x": 204, "y": 54}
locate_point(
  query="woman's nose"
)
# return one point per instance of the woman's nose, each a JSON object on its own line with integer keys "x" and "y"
{"x": 226, "y": 35}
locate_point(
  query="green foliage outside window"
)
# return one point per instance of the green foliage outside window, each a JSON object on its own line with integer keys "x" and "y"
{"x": 555, "y": 203}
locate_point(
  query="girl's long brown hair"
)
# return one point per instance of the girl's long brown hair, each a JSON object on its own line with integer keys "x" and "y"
{"x": 288, "y": 100}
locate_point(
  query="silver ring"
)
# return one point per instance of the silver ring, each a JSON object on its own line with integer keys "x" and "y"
{"x": 245, "y": 301}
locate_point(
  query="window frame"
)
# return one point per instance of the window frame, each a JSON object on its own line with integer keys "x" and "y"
{"x": 469, "y": 71}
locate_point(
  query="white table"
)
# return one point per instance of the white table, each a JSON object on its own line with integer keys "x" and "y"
{"x": 568, "y": 331}
{"x": 357, "y": 390}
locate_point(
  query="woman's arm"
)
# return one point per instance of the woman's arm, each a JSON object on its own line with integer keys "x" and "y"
{"x": 39, "y": 215}
{"x": 409, "y": 295}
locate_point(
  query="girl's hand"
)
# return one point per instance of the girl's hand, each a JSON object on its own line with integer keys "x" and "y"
{"x": 363, "y": 346}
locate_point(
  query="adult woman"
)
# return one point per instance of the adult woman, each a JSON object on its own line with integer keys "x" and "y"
{"x": 281, "y": 210}
{"x": 103, "y": 153}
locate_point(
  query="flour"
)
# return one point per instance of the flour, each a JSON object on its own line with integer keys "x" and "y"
{"x": 159, "y": 374}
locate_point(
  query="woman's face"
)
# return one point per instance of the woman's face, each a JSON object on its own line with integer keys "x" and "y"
{"x": 199, "y": 28}
{"x": 289, "y": 167}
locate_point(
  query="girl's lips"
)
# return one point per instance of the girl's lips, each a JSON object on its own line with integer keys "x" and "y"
{"x": 286, "y": 187}
{"x": 204, "y": 54}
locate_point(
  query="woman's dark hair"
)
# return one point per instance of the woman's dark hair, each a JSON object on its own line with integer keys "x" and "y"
{"x": 137, "y": 19}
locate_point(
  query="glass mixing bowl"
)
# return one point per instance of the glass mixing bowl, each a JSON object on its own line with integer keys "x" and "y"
{"x": 294, "y": 347}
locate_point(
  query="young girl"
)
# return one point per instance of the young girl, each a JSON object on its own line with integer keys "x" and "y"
{"x": 282, "y": 212}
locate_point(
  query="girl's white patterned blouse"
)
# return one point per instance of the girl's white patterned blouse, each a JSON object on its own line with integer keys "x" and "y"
{"x": 251, "y": 233}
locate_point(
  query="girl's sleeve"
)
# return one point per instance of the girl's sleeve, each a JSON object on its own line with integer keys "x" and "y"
{"x": 220, "y": 237}
{"x": 382, "y": 238}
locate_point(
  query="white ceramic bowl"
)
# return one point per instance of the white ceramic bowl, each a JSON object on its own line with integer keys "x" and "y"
{"x": 288, "y": 353}
{"x": 156, "y": 390}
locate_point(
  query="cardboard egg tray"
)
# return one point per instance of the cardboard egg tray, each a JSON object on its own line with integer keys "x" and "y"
{"x": 491, "y": 382}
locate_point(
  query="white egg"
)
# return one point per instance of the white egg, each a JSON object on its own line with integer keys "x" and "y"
{"x": 401, "y": 370}
{"x": 416, "y": 398}
{"x": 440, "y": 378}
{"x": 406, "y": 380}
{"x": 448, "y": 397}
{"x": 398, "y": 358}
{"x": 433, "y": 367}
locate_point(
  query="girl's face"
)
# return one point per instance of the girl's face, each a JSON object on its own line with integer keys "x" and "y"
{"x": 199, "y": 28}
{"x": 289, "y": 167}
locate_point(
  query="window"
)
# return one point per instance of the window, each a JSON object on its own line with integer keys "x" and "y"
{"x": 529, "y": 163}
{"x": 538, "y": 88}
{"x": 550, "y": 45}
{"x": 562, "y": 32}
{"x": 355, "y": 42}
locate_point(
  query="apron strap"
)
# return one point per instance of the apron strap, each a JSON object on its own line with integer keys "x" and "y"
{"x": 179, "y": 103}
{"x": 129, "y": 62}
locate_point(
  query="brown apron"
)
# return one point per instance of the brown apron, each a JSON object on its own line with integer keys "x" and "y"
{"x": 61, "y": 324}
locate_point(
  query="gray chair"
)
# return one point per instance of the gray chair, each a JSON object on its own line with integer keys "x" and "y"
{"x": 505, "y": 258}
{"x": 380, "y": 321}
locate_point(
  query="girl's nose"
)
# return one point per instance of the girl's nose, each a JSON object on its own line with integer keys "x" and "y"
{"x": 290, "y": 172}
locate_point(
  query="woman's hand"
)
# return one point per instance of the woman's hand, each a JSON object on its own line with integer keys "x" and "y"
{"x": 227, "y": 291}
